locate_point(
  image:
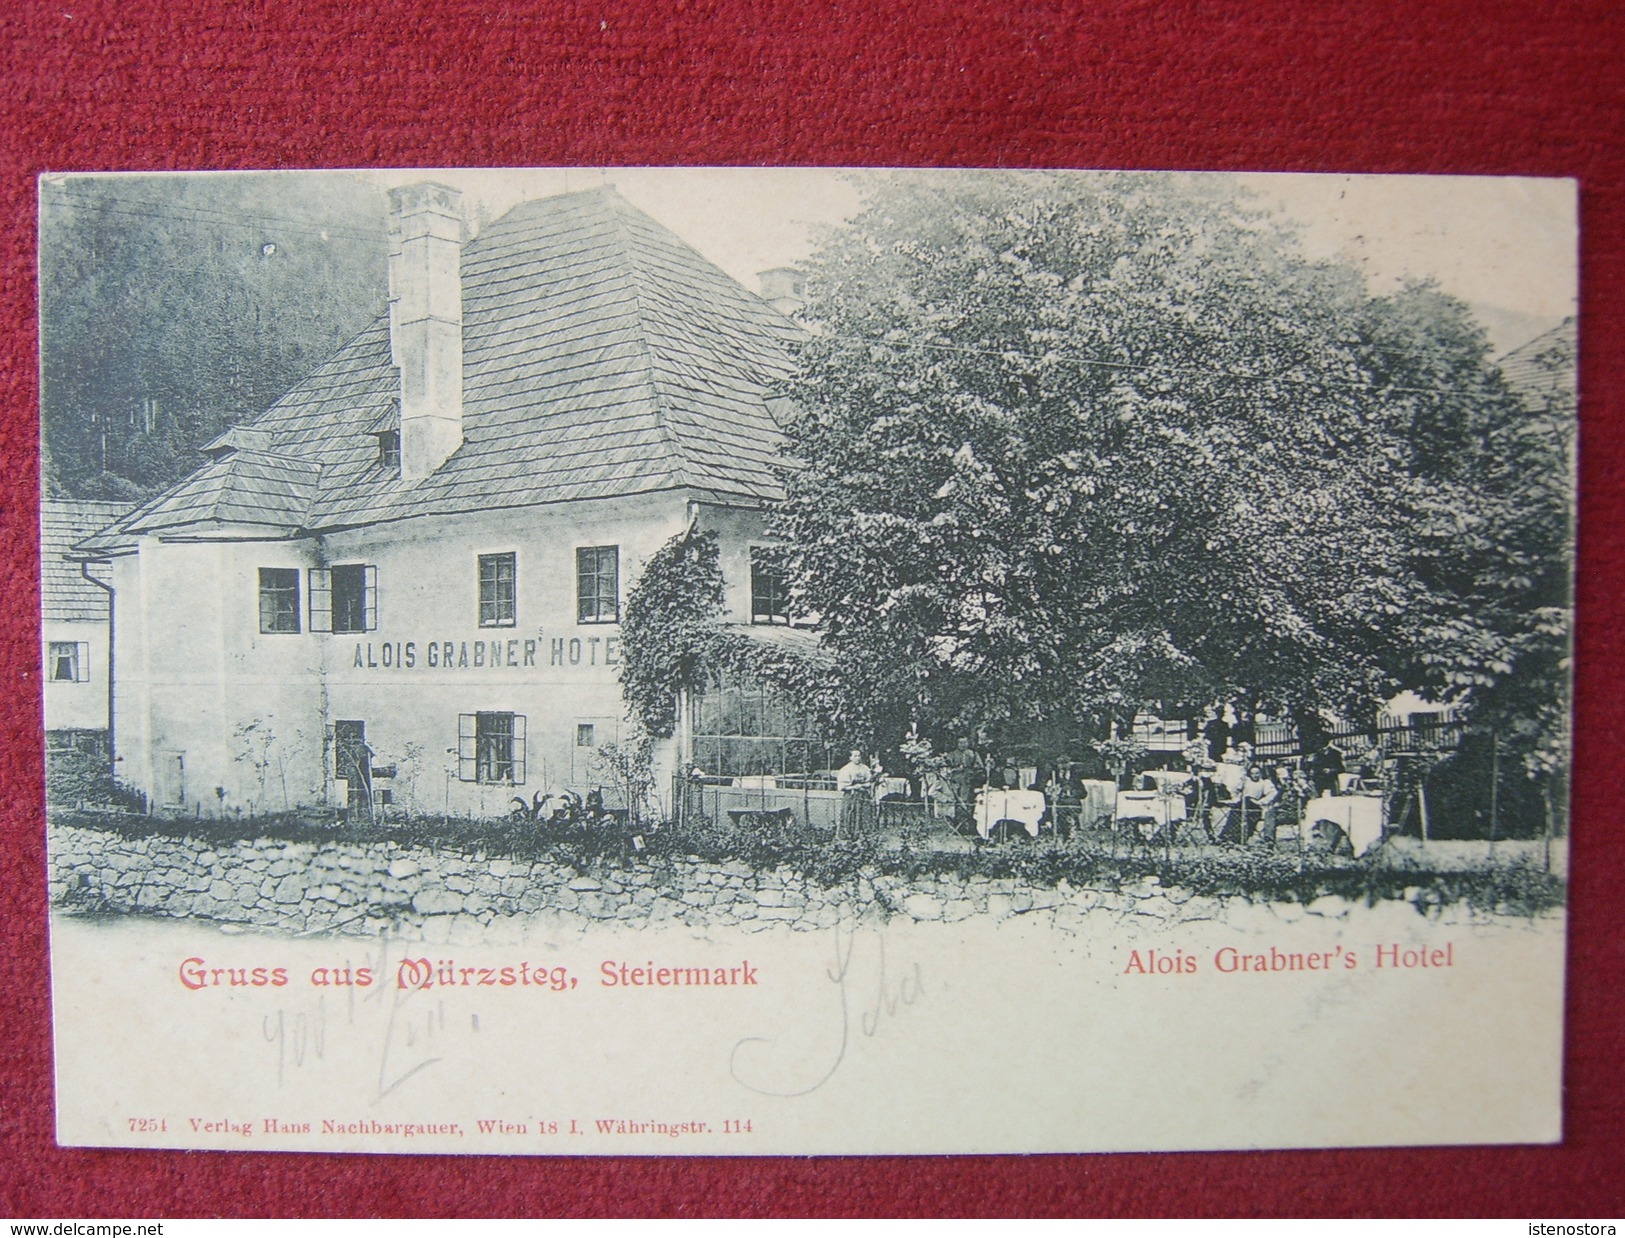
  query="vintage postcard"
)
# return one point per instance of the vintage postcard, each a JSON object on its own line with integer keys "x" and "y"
{"x": 774, "y": 661}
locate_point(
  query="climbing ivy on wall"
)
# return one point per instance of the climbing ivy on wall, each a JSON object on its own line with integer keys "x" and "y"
{"x": 673, "y": 640}
{"x": 670, "y": 616}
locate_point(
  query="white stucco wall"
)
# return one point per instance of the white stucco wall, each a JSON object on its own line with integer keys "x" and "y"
{"x": 215, "y": 716}
{"x": 211, "y": 715}
{"x": 738, "y": 532}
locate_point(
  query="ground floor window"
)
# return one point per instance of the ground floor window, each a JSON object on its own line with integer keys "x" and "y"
{"x": 491, "y": 747}
{"x": 68, "y": 661}
{"x": 743, "y": 728}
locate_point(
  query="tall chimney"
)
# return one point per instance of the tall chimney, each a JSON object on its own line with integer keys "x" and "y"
{"x": 426, "y": 322}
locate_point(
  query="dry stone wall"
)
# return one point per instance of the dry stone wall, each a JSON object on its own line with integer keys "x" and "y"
{"x": 349, "y": 888}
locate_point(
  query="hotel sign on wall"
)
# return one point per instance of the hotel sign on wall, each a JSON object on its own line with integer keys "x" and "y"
{"x": 488, "y": 653}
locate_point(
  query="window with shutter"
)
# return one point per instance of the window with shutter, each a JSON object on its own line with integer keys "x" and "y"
{"x": 491, "y": 748}
{"x": 344, "y": 598}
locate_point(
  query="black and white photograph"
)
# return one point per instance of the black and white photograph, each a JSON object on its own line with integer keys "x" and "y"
{"x": 744, "y": 661}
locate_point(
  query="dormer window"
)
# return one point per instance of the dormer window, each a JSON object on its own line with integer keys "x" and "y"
{"x": 386, "y": 428}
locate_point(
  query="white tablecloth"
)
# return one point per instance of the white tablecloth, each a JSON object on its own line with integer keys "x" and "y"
{"x": 1098, "y": 798}
{"x": 992, "y": 807}
{"x": 1359, "y": 816}
{"x": 1168, "y": 780}
{"x": 1148, "y": 805}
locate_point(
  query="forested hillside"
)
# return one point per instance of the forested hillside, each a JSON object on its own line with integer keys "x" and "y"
{"x": 172, "y": 307}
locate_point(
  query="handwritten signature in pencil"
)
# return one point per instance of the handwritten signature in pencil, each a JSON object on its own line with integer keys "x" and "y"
{"x": 895, "y": 988}
{"x": 411, "y": 1028}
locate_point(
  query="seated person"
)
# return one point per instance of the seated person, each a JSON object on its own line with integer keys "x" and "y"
{"x": 1371, "y": 769}
{"x": 1207, "y": 801}
{"x": 1324, "y": 769}
{"x": 1258, "y": 796}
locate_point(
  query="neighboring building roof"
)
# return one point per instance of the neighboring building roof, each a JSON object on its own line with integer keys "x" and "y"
{"x": 65, "y": 595}
{"x": 602, "y": 358}
{"x": 1542, "y": 372}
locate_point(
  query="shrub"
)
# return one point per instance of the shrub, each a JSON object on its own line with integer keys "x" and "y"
{"x": 818, "y": 858}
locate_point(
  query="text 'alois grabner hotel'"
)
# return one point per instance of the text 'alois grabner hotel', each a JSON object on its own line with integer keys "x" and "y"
{"x": 406, "y": 578}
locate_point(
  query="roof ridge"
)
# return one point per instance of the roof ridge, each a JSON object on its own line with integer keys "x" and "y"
{"x": 613, "y": 204}
{"x": 603, "y": 356}
{"x": 1568, "y": 325}
{"x": 130, "y": 521}
{"x": 549, "y": 201}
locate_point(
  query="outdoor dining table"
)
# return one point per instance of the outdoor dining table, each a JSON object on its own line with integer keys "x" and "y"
{"x": 1098, "y": 797}
{"x": 1359, "y": 816}
{"x": 892, "y": 786}
{"x": 1150, "y": 806}
{"x": 1025, "y": 807}
{"x": 1168, "y": 781}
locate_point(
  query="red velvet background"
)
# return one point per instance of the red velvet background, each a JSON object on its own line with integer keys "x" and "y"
{"x": 1387, "y": 86}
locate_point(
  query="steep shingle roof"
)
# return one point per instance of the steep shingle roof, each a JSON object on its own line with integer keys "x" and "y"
{"x": 602, "y": 358}
{"x": 65, "y": 594}
{"x": 268, "y": 493}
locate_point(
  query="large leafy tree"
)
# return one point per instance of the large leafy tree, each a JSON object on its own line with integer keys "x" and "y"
{"x": 1503, "y": 642}
{"x": 1069, "y": 444}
